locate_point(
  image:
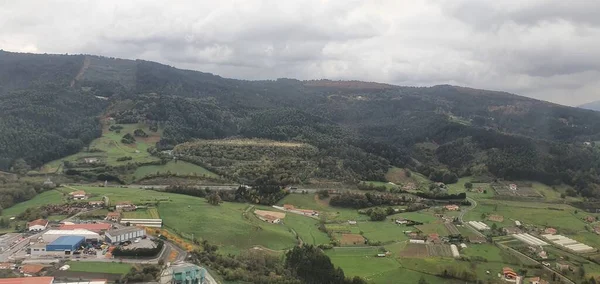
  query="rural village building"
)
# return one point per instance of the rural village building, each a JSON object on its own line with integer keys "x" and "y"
{"x": 96, "y": 228}
{"x": 37, "y": 225}
{"x": 452, "y": 207}
{"x": 113, "y": 216}
{"x": 513, "y": 187}
{"x": 90, "y": 160}
{"x": 401, "y": 221}
{"x": 96, "y": 203}
{"x": 78, "y": 195}
{"x": 31, "y": 269}
{"x": 351, "y": 222}
{"x": 535, "y": 280}
{"x": 550, "y": 231}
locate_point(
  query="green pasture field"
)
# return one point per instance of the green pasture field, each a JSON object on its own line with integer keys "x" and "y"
{"x": 384, "y": 231}
{"x": 343, "y": 228}
{"x": 387, "y": 185}
{"x": 307, "y": 228}
{"x": 420, "y": 216}
{"x": 362, "y": 262}
{"x": 175, "y": 167}
{"x": 112, "y": 149}
{"x": 561, "y": 216}
{"x": 137, "y": 214}
{"x": 459, "y": 187}
{"x": 99, "y": 267}
{"x": 488, "y": 251}
{"x": 408, "y": 276}
{"x": 398, "y": 176}
{"x": 225, "y": 225}
{"x": 47, "y": 197}
{"x": 433, "y": 228}
{"x": 330, "y": 213}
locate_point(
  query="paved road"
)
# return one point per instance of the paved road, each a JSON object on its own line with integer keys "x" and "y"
{"x": 7, "y": 255}
{"x": 563, "y": 278}
{"x": 465, "y": 211}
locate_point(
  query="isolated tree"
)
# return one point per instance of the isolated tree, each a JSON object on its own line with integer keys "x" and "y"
{"x": 423, "y": 281}
{"x": 214, "y": 199}
{"x": 378, "y": 214}
{"x": 469, "y": 185}
{"x": 20, "y": 166}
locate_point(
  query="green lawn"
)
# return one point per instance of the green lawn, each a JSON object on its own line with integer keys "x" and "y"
{"x": 100, "y": 267}
{"x": 175, "y": 167}
{"x": 307, "y": 201}
{"x": 47, "y": 197}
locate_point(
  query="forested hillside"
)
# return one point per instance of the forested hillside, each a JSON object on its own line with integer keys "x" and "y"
{"x": 359, "y": 128}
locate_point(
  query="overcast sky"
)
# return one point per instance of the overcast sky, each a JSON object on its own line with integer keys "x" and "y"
{"x": 546, "y": 49}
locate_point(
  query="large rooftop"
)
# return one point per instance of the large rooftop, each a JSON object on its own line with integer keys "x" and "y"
{"x": 27, "y": 280}
{"x": 124, "y": 231}
{"x": 92, "y": 227}
{"x": 67, "y": 240}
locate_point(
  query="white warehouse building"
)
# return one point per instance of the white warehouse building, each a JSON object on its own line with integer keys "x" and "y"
{"x": 125, "y": 234}
{"x": 52, "y": 235}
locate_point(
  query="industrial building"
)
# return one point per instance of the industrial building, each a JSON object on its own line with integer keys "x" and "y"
{"x": 125, "y": 234}
{"x": 67, "y": 244}
{"x": 52, "y": 235}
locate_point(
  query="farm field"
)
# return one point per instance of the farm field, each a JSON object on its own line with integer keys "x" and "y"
{"x": 307, "y": 201}
{"x": 47, "y": 197}
{"x": 104, "y": 267}
{"x": 135, "y": 195}
{"x": 228, "y": 225}
{"x": 398, "y": 176}
{"x": 422, "y": 216}
{"x": 138, "y": 214}
{"x": 307, "y": 229}
{"x": 361, "y": 261}
{"x": 488, "y": 251}
{"x": 433, "y": 228}
{"x": 384, "y": 231}
{"x": 175, "y": 167}
{"x": 560, "y": 216}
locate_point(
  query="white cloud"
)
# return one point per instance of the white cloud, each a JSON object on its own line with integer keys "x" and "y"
{"x": 546, "y": 49}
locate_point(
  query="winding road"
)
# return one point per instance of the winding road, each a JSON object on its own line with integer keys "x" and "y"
{"x": 465, "y": 211}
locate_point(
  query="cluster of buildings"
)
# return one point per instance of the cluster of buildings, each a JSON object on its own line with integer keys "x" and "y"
{"x": 70, "y": 238}
{"x": 182, "y": 273}
{"x": 529, "y": 239}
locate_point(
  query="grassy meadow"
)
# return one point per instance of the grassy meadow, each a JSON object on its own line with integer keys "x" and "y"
{"x": 99, "y": 267}
{"x": 176, "y": 167}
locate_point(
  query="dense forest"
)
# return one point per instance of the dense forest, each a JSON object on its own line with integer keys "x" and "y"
{"x": 50, "y": 107}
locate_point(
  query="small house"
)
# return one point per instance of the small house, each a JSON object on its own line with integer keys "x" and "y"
{"x": 543, "y": 255}
{"x": 512, "y": 187}
{"x": 90, "y": 160}
{"x": 31, "y": 269}
{"x": 550, "y": 231}
{"x": 511, "y": 230}
{"x": 381, "y": 255}
{"x": 78, "y": 195}
{"x": 269, "y": 219}
{"x": 113, "y": 216}
{"x": 401, "y": 221}
{"x": 518, "y": 223}
{"x": 37, "y": 225}
{"x": 590, "y": 219}
{"x": 49, "y": 184}
{"x": 351, "y": 222}
{"x": 452, "y": 207}
{"x": 434, "y": 238}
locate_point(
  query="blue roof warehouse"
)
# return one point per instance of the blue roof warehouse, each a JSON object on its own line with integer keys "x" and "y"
{"x": 66, "y": 243}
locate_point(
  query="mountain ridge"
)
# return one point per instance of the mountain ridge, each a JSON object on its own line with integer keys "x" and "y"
{"x": 595, "y": 105}
{"x": 366, "y": 127}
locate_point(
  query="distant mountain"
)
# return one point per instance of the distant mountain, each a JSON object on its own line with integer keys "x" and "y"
{"x": 593, "y": 106}
{"x": 50, "y": 106}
